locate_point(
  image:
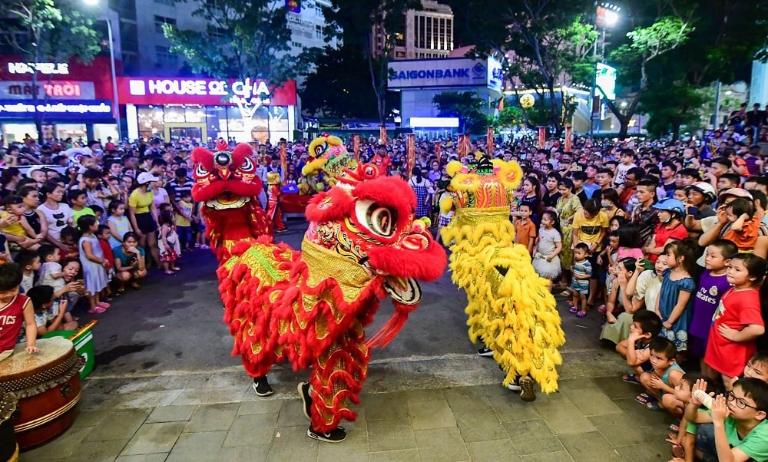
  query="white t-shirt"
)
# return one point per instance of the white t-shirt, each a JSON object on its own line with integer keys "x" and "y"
{"x": 47, "y": 271}
{"x": 621, "y": 173}
{"x": 57, "y": 219}
{"x": 160, "y": 197}
{"x": 648, "y": 287}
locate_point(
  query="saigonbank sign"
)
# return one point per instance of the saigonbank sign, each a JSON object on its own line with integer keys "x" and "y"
{"x": 171, "y": 90}
{"x": 451, "y": 72}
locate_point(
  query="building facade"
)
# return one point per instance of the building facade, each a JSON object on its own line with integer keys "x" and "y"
{"x": 427, "y": 33}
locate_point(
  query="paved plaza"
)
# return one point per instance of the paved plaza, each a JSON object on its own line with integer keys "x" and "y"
{"x": 165, "y": 389}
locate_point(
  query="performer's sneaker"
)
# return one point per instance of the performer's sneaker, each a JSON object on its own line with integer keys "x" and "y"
{"x": 337, "y": 435}
{"x": 261, "y": 386}
{"x": 526, "y": 385}
{"x": 514, "y": 386}
{"x": 306, "y": 399}
{"x": 485, "y": 352}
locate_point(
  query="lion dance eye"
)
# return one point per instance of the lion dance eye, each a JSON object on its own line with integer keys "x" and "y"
{"x": 247, "y": 166}
{"x": 378, "y": 219}
{"x": 200, "y": 171}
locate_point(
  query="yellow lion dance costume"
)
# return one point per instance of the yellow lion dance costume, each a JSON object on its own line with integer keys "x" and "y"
{"x": 510, "y": 307}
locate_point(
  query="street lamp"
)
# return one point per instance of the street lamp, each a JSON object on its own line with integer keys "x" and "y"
{"x": 115, "y": 102}
{"x": 606, "y": 16}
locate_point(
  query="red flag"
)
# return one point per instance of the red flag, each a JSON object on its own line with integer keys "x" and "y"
{"x": 383, "y": 134}
{"x": 489, "y": 144}
{"x": 568, "y": 138}
{"x": 500, "y": 107}
{"x": 542, "y": 137}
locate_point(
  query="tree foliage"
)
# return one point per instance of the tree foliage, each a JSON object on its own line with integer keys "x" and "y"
{"x": 340, "y": 86}
{"x": 464, "y": 105}
{"x": 543, "y": 44}
{"x": 672, "y": 106}
{"x": 351, "y": 21}
{"x": 510, "y": 116}
{"x": 243, "y": 38}
{"x": 45, "y": 30}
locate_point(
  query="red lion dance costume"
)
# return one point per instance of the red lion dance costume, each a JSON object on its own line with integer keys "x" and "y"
{"x": 311, "y": 307}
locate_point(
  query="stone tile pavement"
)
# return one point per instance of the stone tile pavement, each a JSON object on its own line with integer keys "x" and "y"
{"x": 590, "y": 419}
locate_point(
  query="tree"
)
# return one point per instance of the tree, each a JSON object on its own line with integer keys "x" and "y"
{"x": 243, "y": 38}
{"x": 671, "y": 106}
{"x": 464, "y": 105}
{"x": 41, "y": 31}
{"x": 510, "y": 116}
{"x": 352, "y": 21}
{"x": 340, "y": 86}
{"x": 543, "y": 44}
{"x": 645, "y": 45}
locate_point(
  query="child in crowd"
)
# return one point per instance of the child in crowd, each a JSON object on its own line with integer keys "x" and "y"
{"x": 607, "y": 266}
{"x": 738, "y": 321}
{"x": 546, "y": 258}
{"x": 79, "y": 200}
{"x": 183, "y": 220}
{"x": 129, "y": 262}
{"x": 622, "y": 271}
{"x": 69, "y": 238}
{"x": 713, "y": 283}
{"x": 93, "y": 262}
{"x": 53, "y": 275}
{"x": 198, "y": 226}
{"x": 646, "y": 325}
{"x": 15, "y": 311}
{"x": 104, "y": 234}
{"x": 739, "y": 431}
{"x": 168, "y": 243}
{"x": 590, "y": 225}
{"x": 582, "y": 272}
{"x": 29, "y": 261}
{"x": 49, "y": 315}
{"x": 683, "y": 435}
{"x": 676, "y": 294}
{"x": 14, "y": 225}
{"x": 744, "y": 227}
{"x": 525, "y": 228}
{"x": 664, "y": 376}
{"x": 118, "y": 223}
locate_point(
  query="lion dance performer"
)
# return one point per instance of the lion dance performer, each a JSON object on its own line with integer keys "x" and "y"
{"x": 510, "y": 308}
{"x": 311, "y": 307}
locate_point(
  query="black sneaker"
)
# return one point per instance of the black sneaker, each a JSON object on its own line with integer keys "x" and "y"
{"x": 485, "y": 352}
{"x": 526, "y": 385}
{"x": 337, "y": 435}
{"x": 306, "y": 399}
{"x": 261, "y": 386}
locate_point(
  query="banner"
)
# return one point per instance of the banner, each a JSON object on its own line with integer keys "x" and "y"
{"x": 489, "y": 143}
{"x": 438, "y": 149}
{"x": 284, "y": 160}
{"x": 383, "y": 135}
{"x": 356, "y": 146}
{"x": 568, "y": 138}
{"x": 542, "y": 137}
{"x": 411, "y": 159}
{"x": 467, "y": 145}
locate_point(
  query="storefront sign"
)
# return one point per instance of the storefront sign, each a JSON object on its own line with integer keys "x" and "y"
{"x": 42, "y": 68}
{"x": 452, "y": 72}
{"x": 55, "y": 89}
{"x": 161, "y": 90}
{"x": 606, "y": 79}
{"x": 55, "y": 109}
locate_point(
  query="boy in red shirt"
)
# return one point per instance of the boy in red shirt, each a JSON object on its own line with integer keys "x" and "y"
{"x": 15, "y": 310}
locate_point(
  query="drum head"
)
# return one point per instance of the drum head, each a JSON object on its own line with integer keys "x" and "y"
{"x": 55, "y": 353}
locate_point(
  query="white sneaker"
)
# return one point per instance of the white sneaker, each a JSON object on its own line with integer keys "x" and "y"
{"x": 514, "y": 386}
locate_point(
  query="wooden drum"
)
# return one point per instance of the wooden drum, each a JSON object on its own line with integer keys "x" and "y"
{"x": 47, "y": 386}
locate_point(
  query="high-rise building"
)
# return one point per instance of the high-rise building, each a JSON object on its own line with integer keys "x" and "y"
{"x": 427, "y": 33}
